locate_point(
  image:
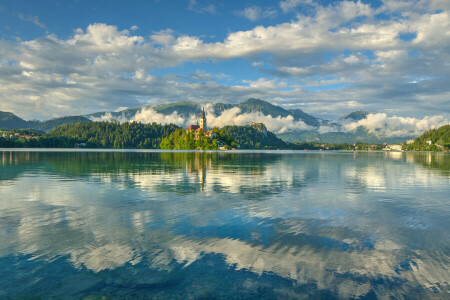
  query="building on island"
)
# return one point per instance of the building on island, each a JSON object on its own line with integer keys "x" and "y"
{"x": 203, "y": 120}
{"x": 260, "y": 127}
{"x": 192, "y": 127}
{"x": 203, "y": 127}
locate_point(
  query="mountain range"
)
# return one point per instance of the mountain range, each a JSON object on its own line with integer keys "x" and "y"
{"x": 253, "y": 107}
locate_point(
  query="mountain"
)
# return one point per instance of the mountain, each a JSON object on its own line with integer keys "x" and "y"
{"x": 53, "y": 123}
{"x": 188, "y": 108}
{"x": 256, "y": 105}
{"x": 128, "y": 114}
{"x": 11, "y": 121}
{"x": 264, "y": 107}
{"x": 292, "y": 131}
{"x": 361, "y": 134}
{"x": 299, "y": 114}
{"x": 356, "y": 115}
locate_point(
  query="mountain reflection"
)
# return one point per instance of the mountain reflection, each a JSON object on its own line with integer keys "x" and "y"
{"x": 340, "y": 225}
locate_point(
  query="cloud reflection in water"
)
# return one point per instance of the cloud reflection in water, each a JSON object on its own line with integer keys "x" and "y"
{"x": 349, "y": 224}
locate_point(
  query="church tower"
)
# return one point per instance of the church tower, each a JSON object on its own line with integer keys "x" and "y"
{"x": 203, "y": 120}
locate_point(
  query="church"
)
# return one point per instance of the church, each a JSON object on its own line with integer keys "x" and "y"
{"x": 203, "y": 127}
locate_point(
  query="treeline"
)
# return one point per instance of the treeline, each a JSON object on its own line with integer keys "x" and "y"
{"x": 98, "y": 135}
{"x": 186, "y": 140}
{"x": 432, "y": 140}
{"x": 248, "y": 137}
{"x": 189, "y": 140}
{"x": 152, "y": 136}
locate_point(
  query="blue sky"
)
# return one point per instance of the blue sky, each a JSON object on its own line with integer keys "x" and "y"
{"x": 325, "y": 57}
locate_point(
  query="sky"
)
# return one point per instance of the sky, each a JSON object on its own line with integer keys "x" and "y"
{"x": 328, "y": 58}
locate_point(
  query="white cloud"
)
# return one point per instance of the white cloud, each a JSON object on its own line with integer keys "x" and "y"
{"x": 288, "y": 5}
{"x": 384, "y": 125}
{"x": 254, "y": 13}
{"x": 103, "y": 67}
{"x": 148, "y": 115}
{"x": 32, "y": 19}
{"x": 263, "y": 83}
{"x": 232, "y": 116}
{"x": 195, "y": 6}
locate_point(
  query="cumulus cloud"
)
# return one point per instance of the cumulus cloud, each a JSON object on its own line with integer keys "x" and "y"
{"x": 149, "y": 115}
{"x": 378, "y": 123}
{"x": 392, "y": 126}
{"x": 233, "y": 116}
{"x": 335, "y": 56}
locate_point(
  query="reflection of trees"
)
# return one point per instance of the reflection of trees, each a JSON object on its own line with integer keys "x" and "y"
{"x": 435, "y": 161}
{"x": 317, "y": 236}
{"x": 113, "y": 164}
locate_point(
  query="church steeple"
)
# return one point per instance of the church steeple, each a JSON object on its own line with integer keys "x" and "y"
{"x": 203, "y": 120}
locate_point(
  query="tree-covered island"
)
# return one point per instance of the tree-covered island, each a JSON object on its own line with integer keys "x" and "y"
{"x": 135, "y": 135}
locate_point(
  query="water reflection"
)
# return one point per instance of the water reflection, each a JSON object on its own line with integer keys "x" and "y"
{"x": 223, "y": 225}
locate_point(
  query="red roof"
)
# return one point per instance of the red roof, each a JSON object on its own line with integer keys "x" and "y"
{"x": 193, "y": 127}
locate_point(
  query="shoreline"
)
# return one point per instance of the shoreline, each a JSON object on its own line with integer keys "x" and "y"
{"x": 200, "y": 151}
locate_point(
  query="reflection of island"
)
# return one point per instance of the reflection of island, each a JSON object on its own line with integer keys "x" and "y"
{"x": 328, "y": 222}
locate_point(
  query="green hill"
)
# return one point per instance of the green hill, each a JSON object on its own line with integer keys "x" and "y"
{"x": 264, "y": 107}
{"x": 113, "y": 134}
{"x": 432, "y": 140}
{"x": 249, "y": 137}
{"x": 11, "y": 121}
{"x": 53, "y": 123}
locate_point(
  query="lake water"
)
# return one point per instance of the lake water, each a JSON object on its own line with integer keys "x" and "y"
{"x": 261, "y": 225}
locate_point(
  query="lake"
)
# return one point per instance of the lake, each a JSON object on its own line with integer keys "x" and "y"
{"x": 224, "y": 225}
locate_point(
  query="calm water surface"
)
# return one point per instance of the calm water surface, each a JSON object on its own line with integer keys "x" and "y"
{"x": 263, "y": 225}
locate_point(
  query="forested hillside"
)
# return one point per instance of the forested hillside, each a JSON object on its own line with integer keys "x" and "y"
{"x": 11, "y": 121}
{"x": 98, "y": 135}
{"x": 53, "y": 123}
{"x": 432, "y": 140}
{"x": 115, "y": 135}
{"x": 248, "y": 137}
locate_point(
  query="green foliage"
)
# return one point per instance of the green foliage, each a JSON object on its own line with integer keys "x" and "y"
{"x": 99, "y": 135}
{"x": 187, "y": 140}
{"x": 440, "y": 140}
{"x": 53, "y": 123}
{"x": 10, "y": 121}
{"x": 251, "y": 138}
{"x": 29, "y": 132}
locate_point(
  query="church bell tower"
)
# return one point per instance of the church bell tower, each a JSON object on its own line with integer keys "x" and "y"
{"x": 203, "y": 120}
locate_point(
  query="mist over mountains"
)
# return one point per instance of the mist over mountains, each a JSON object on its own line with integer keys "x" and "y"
{"x": 292, "y": 125}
